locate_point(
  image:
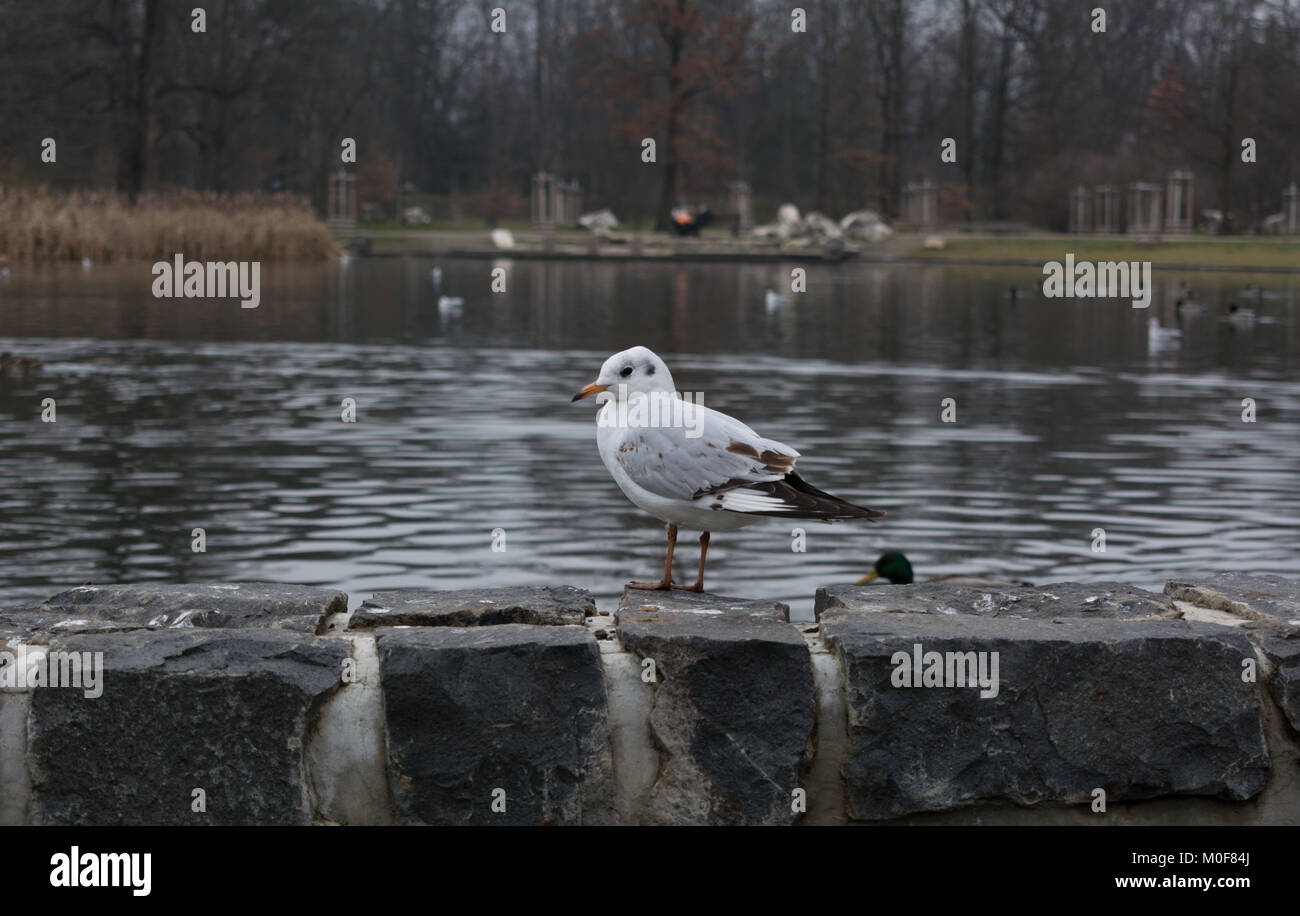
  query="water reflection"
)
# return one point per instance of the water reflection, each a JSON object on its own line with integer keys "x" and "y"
{"x": 176, "y": 414}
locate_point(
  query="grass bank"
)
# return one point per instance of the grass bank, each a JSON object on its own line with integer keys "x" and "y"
{"x": 1223, "y": 253}
{"x": 1243, "y": 252}
{"x": 40, "y": 224}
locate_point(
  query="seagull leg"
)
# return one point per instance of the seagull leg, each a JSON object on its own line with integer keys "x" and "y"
{"x": 699, "y": 580}
{"x": 667, "y": 581}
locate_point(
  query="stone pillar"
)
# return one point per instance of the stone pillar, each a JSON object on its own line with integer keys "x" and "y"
{"x": 742, "y": 205}
{"x": 920, "y": 204}
{"x": 568, "y": 203}
{"x": 1079, "y": 210}
{"x": 341, "y": 209}
{"x": 1143, "y": 208}
{"x": 543, "y": 199}
{"x": 1179, "y": 215}
{"x": 1105, "y": 212}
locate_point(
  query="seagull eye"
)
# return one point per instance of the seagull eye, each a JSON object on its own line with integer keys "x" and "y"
{"x": 627, "y": 370}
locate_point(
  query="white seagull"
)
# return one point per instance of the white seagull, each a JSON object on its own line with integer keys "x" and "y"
{"x": 1161, "y": 338}
{"x": 694, "y": 467}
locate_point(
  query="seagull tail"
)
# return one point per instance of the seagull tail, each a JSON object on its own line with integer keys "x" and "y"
{"x": 824, "y": 505}
{"x": 793, "y": 497}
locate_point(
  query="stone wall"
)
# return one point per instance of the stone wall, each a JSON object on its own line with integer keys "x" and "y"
{"x": 255, "y": 703}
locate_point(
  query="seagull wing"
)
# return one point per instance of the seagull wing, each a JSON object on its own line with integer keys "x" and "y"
{"x": 721, "y": 463}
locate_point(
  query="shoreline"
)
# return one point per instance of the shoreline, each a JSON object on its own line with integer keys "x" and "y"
{"x": 1276, "y": 255}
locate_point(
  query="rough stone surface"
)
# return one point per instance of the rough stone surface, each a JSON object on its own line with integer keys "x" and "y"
{"x": 225, "y": 711}
{"x": 638, "y": 601}
{"x": 1137, "y": 708}
{"x": 1058, "y": 600}
{"x": 513, "y": 707}
{"x": 38, "y": 621}
{"x": 733, "y": 708}
{"x": 1254, "y": 597}
{"x": 422, "y": 607}
{"x": 226, "y": 605}
{"x": 1281, "y": 646}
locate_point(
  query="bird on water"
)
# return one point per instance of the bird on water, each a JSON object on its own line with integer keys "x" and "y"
{"x": 896, "y": 569}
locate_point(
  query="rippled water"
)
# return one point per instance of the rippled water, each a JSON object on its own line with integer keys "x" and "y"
{"x": 176, "y": 414}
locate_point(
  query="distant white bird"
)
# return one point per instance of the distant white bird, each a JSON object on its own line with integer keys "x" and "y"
{"x": 773, "y": 300}
{"x": 1259, "y": 293}
{"x": 1241, "y": 317}
{"x": 692, "y": 466}
{"x": 86, "y": 263}
{"x": 1161, "y": 338}
{"x": 4, "y": 274}
{"x": 450, "y": 305}
{"x": 436, "y": 274}
{"x": 1186, "y": 308}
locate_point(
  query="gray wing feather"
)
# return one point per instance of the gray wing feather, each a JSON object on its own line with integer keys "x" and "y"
{"x": 726, "y": 453}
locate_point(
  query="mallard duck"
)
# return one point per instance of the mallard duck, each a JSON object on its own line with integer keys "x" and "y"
{"x": 1186, "y": 307}
{"x": 1241, "y": 317}
{"x": 897, "y": 569}
{"x": 24, "y": 364}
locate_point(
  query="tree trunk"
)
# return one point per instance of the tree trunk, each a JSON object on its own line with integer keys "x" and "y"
{"x": 663, "y": 217}
{"x": 1231, "y": 142}
{"x": 969, "y": 38}
{"x": 133, "y": 115}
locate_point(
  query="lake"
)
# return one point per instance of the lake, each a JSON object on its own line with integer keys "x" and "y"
{"x": 176, "y": 414}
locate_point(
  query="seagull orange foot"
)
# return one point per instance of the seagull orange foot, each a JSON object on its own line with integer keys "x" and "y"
{"x": 661, "y": 586}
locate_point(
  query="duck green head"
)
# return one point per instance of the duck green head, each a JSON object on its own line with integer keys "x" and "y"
{"x": 892, "y": 566}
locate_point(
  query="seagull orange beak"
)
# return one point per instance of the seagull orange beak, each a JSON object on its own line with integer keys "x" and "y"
{"x": 587, "y": 392}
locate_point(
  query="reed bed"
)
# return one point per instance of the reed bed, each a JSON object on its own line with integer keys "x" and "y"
{"x": 41, "y": 224}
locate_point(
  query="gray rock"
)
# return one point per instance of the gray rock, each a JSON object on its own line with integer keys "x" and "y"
{"x": 1281, "y": 646}
{"x": 513, "y": 707}
{"x": 1254, "y": 597}
{"x": 226, "y": 605}
{"x": 1058, "y": 600}
{"x": 225, "y": 711}
{"x": 640, "y": 602}
{"x": 32, "y": 621}
{"x": 1137, "y": 708}
{"x": 733, "y": 706}
{"x": 421, "y": 607}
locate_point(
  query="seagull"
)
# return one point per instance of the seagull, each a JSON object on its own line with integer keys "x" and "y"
{"x": 87, "y": 263}
{"x": 436, "y": 276}
{"x": 774, "y": 301}
{"x": 896, "y": 569}
{"x": 694, "y": 467}
{"x": 1161, "y": 338}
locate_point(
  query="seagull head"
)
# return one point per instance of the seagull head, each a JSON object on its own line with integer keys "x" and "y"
{"x": 634, "y": 371}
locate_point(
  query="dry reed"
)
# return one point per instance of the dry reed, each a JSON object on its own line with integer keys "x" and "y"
{"x": 41, "y": 224}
